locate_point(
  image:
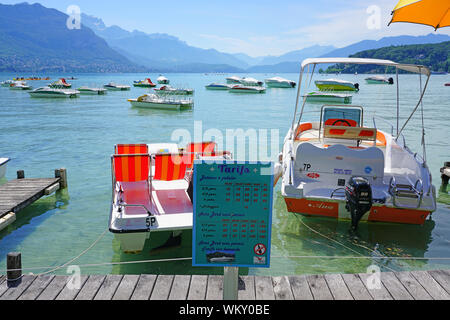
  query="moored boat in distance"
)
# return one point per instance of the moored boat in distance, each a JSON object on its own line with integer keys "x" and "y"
{"x": 173, "y": 91}
{"x": 19, "y": 85}
{"x": 338, "y": 167}
{"x": 60, "y": 84}
{"x": 278, "y": 82}
{"x": 163, "y": 80}
{"x": 116, "y": 87}
{"x": 336, "y": 85}
{"x": 153, "y": 101}
{"x": 152, "y": 192}
{"x": 447, "y": 84}
{"x": 218, "y": 86}
{"x": 247, "y": 89}
{"x": 47, "y": 92}
{"x": 234, "y": 80}
{"x": 147, "y": 83}
{"x": 7, "y": 83}
{"x": 92, "y": 91}
{"x": 379, "y": 80}
{"x": 329, "y": 97}
{"x": 3, "y": 165}
{"x": 252, "y": 82}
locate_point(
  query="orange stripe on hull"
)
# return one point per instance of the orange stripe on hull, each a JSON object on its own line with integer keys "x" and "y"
{"x": 377, "y": 214}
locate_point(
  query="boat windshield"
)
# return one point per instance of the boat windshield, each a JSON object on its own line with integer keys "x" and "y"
{"x": 342, "y": 116}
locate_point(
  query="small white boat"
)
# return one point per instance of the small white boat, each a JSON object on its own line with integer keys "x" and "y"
{"x": 247, "y": 89}
{"x": 152, "y": 192}
{"x": 328, "y": 97}
{"x": 7, "y": 83}
{"x": 20, "y": 85}
{"x": 234, "y": 80}
{"x": 153, "y": 101}
{"x": 163, "y": 80}
{"x": 60, "y": 84}
{"x": 3, "y": 165}
{"x": 46, "y": 92}
{"x": 336, "y": 85}
{"x": 218, "y": 86}
{"x": 116, "y": 87}
{"x": 170, "y": 90}
{"x": 278, "y": 82}
{"x": 379, "y": 80}
{"x": 92, "y": 91}
{"x": 252, "y": 82}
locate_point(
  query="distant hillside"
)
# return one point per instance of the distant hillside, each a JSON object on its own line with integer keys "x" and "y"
{"x": 298, "y": 55}
{"x": 436, "y": 56}
{"x": 36, "y": 39}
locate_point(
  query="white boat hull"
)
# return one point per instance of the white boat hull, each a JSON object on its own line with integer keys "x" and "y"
{"x": 279, "y": 85}
{"x": 52, "y": 95}
{"x": 162, "y": 106}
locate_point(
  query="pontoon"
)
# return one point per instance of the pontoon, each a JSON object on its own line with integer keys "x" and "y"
{"x": 343, "y": 166}
{"x": 92, "y": 91}
{"x": 278, "y": 82}
{"x": 152, "y": 101}
{"x": 152, "y": 192}
{"x": 116, "y": 87}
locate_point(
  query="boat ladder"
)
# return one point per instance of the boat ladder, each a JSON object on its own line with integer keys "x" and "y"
{"x": 406, "y": 191}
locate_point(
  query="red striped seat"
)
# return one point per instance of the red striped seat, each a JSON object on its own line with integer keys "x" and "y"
{"x": 131, "y": 149}
{"x": 170, "y": 167}
{"x": 131, "y": 167}
{"x": 202, "y": 148}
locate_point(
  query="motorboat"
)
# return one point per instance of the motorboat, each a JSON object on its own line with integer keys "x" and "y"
{"x": 234, "y": 80}
{"x": 337, "y": 166}
{"x": 116, "y": 87}
{"x": 447, "y": 84}
{"x": 92, "y": 91}
{"x": 152, "y": 192}
{"x": 170, "y": 90}
{"x": 7, "y": 83}
{"x": 278, "y": 82}
{"x": 218, "y": 86}
{"x": 47, "y": 92}
{"x": 247, "y": 89}
{"x": 19, "y": 85}
{"x": 379, "y": 80}
{"x": 163, "y": 80}
{"x": 328, "y": 97}
{"x": 147, "y": 83}
{"x": 153, "y": 101}
{"x": 60, "y": 84}
{"x": 336, "y": 85}
{"x": 252, "y": 82}
{"x": 3, "y": 165}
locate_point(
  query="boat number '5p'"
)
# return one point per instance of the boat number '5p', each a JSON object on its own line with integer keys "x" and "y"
{"x": 151, "y": 222}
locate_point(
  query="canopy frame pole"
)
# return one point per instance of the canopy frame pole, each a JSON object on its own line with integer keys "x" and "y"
{"x": 398, "y": 100}
{"x": 423, "y": 126}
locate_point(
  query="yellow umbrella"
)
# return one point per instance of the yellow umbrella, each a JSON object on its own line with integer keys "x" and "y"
{"x": 434, "y": 13}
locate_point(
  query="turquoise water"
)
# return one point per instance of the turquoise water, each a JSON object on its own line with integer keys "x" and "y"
{"x": 41, "y": 135}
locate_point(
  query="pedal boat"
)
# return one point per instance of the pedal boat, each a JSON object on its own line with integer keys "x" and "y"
{"x": 60, "y": 84}
{"x": 147, "y": 83}
{"x": 152, "y": 192}
{"x": 328, "y": 163}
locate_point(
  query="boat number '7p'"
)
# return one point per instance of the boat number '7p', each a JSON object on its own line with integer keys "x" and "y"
{"x": 307, "y": 166}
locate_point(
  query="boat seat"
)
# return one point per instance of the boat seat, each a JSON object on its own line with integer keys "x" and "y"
{"x": 171, "y": 167}
{"x": 131, "y": 149}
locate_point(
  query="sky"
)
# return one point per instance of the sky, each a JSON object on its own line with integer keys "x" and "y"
{"x": 254, "y": 27}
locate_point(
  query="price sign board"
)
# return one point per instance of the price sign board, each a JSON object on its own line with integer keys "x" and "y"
{"x": 232, "y": 214}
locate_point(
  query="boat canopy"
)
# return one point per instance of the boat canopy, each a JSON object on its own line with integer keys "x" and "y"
{"x": 407, "y": 67}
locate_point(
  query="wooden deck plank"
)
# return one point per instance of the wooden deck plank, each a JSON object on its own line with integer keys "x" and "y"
{"x": 108, "y": 287}
{"x": 197, "y": 289}
{"x": 162, "y": 287}
{"x": 247, "y": 289}
{"x": 300, "y": 288}
{"x": 180, "y": 288}
{"x": 36, "y": 288}
{"x": 282, "y": 288}
{"x": 380, "y": 293}
{"x": 15, "y": 289}
{"x": 395, "y": 287}
{"x": 319, "y": 287}
{"x": 144, "y": 287}
{"x": 214, "y": 289}
{"x": 126, "y": 287}
{"x": 413, "y": 286}
{"x": 264, "y": 288}
{"x": 356, "y": 287}
{"x": 443, "y": 278}
{"x": 91, "y": 287}
{"x": 70, "y": 293}
{"x": 432, "y": 286}
{"x": 337, "y": 287}
{"x": 54, "y": 288}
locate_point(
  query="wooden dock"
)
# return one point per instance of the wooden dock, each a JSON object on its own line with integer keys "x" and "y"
{"x": 415, "y": 285}
{"x": 17, "y": 194}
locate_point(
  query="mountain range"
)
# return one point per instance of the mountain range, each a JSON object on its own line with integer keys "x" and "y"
{"x": 35, "y": 38}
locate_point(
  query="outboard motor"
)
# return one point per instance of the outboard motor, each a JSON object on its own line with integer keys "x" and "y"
{"x": 358, "y": 193}
{"x": 391, "y": 80}
{"x": 357, "y": 86}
